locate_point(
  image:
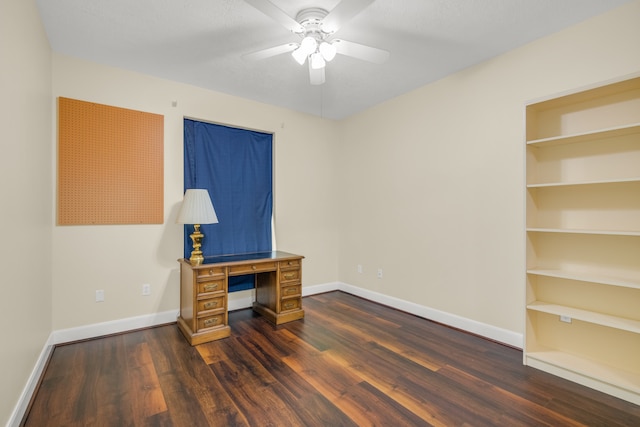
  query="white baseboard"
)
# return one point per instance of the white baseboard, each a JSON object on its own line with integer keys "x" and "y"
{"x": 113, "y": 327}
{"x": 36, "y": 373}
{"x": 116, "y": 326}
{"x": 505, "y": 336}
{"x": 121, "y": 325}
{"x": 320, "y": 289}
{"x": 246, "y": 301}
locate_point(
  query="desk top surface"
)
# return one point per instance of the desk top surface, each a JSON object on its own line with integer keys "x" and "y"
{"x": 243, "y": 258}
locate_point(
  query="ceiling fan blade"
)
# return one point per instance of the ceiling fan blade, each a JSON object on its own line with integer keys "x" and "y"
{"x": 316, "y": 76}
{"x": 344, "y": 11}
{"x": 272, "y": 51}
{"x": 360, "y": 51}
{"x": 277, "y": 14}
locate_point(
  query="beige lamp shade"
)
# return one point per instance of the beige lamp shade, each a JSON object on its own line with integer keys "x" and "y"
{"x": 197, "y": 208}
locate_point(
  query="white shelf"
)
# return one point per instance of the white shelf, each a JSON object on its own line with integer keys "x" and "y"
{"x": 598, "y": 182}
{"x": 622, "y": 379}
{"x": 597, "y": 232}
{"x": 582, "y": 193}
{"x": 629, "y": 325}
{"x": 603, "y": 280}
{"x": 586, "y": 136}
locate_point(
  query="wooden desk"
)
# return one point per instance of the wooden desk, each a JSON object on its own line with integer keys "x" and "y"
{"x": 204, "y": 291}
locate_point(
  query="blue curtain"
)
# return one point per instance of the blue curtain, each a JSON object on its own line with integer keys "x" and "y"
{"x": 235, "y": 165}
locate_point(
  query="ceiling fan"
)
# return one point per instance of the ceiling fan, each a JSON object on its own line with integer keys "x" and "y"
{"x": 315, "y": 27}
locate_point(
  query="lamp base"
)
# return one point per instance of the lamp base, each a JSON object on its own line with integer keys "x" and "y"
{"x": 196, "y": 258}
{"x": 196, "y": 237}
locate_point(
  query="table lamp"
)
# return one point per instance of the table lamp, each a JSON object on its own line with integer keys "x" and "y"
{"x": 197, "y": 209}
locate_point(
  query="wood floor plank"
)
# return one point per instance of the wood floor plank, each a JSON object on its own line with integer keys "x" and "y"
{"x": 587, "y": 409}
{"x": 503, "y": 370}
{"x": 349, "y": 362}
{"x": 253, "y": 389}
{"x": 193, "y": 394}
{"x": 296, "y": 392}
{"x": 318, "y": 337}
{"x": 269, "y": 358}
{"x": 345, "y": 388}
{"x": 146, "y": 394}
{"x": 393, "y": 340}
{"x": 385, "y": 380}
{"x": 453, "y": 405}
{"x": 490, "y": 400}
{"x": 368, "y": 406}
{"x": 109, "y": 405}
{"x": 321, "y": 371}
{"x": 361, "y": 315}
{"x": 65, "y": 371}
{"x": 316, "y": 410}
{"x": 414, "y": 330}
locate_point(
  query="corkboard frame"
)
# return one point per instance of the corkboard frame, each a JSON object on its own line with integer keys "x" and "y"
{"x": 110, "y": 165}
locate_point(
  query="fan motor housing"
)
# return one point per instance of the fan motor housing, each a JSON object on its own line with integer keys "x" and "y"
{"x": 311, "y": 18}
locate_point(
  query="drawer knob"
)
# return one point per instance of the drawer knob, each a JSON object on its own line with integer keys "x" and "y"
{"x": 210, "y": 305}
{"x": 211, "y": 272}
{"x": 253, "y": 267}
{"x": 211, "y": 322}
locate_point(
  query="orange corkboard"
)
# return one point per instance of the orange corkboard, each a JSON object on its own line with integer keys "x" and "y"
{"x": 110, "y": 165}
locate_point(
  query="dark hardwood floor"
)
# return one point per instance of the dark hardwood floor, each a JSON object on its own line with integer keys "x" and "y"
{"x": 349, "y": 362}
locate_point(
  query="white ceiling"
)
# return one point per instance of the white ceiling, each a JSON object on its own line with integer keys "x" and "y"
{"x": 200, "y": 42}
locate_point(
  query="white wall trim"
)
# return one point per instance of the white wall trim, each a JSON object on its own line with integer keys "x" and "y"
{"x": 30, "y": 387}
{"x": 113, "y": 327}
{"x": 240, "y": 303}
{"x": 320, "y": 289}
{"x": 62, "y": 336}
{"x": 488, "y": 331}
{"x": 116, "y": 326}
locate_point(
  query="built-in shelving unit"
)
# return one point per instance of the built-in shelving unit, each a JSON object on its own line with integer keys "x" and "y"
{"x": 583, "y": 237}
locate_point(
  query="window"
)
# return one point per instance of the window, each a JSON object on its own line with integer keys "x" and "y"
{"x": 235, "y": 165}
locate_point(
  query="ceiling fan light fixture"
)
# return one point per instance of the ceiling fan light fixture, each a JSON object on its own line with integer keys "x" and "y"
{"x": 327, "y": 50}
{"x": 316, "y": 26}
{"x": 317, "y": 61}
{"x": 299, "y": 55}
{"x": 308, "y": 45}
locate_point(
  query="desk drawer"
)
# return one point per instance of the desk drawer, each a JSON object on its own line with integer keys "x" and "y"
{"x": 290, "y": 304}
{"x": 289, "y": 275}
{"x": 211, "y": 304}
{"x": 252, "y": 268}
{"x": 295, "y": 263}
{"x": 291, "y": 290}
{"x": 208, "y": 274}
{"x": 211, "y": 286}
{"x": 210, "y": 321}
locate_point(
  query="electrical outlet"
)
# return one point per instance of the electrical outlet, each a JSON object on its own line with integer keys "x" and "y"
{"x": 100, "y": 295}
{"x": 146, "y": 289}
{"x": 359, "y": 268}
{"x": 379, "y": 273}
{"x": 565, "y": 319}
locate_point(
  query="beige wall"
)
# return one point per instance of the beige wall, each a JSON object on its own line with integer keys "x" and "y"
{"x": 433, "y": 180}
{"x": 26, "y": 196}
{"x": 119, "y": 259}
